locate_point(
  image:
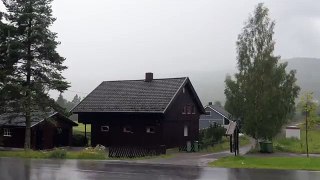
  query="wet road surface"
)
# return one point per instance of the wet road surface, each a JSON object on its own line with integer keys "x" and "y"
{"x": 20, "y": 169}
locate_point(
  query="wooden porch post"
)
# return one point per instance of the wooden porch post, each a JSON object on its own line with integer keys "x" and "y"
{"x": 85, "y": 133}
{"x": 231, "y": 146}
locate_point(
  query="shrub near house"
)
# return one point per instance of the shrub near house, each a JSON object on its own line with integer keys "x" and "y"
{"x": 211, "y": 135}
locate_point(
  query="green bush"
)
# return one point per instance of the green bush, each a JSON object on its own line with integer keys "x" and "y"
{"x": 211, "y": 135}
{"x": 58, "y": 153}
{"x": 79, "y": 139}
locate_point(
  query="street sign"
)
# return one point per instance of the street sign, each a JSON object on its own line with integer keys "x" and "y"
{"x": 231, "y": 128}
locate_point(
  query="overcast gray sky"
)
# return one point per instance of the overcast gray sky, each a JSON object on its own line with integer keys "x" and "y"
{"x": 123, "y": 39}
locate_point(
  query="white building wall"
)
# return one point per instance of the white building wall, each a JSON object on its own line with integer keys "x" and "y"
{"x": 295, "y": 133}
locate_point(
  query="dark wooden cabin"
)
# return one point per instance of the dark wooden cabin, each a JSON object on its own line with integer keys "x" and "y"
{"x": 47, "y": 130}
{"x": 146, "y": 112}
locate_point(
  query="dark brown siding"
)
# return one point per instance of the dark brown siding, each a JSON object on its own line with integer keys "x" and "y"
{"x": 43, "y": 135}
{"x": 169, "y": 126}
{"x": 117, "y": 121}
{"x": 175, "y": 121}
{"x": 17, "y": 137}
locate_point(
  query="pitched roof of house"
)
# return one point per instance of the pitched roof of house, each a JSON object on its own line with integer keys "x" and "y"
{"x": 133, "y": 96}
{"x": 220, "y": 110}
{"x": 17, "y": 119}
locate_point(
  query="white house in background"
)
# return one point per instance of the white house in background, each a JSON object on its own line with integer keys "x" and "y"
{"x": 214, "y": 114}
{"x": 292, "y": 132}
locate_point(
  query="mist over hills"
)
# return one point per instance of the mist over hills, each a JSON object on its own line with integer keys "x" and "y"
{"x": 210, "y": 85}
{"x": 308, "y": 74}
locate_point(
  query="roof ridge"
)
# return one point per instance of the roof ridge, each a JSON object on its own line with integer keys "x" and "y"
{"x": 131, "y": 96}
{"x": 143, "y": 79}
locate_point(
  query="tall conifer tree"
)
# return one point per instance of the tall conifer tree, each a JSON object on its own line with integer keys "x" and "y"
{"x": 37, "y": 66}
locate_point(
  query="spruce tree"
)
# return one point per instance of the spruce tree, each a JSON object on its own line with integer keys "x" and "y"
{"x": 262, "y": 94}
{"x": 38, "y": 66}
{"x": 61, "y": 101}
{"x": 76, "y": 100}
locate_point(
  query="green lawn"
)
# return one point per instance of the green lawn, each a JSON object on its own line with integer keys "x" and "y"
{"x": 299, "y": 146}
{"x": 80, "y": 128}
{"x": 301, "y": 163}
{"x": 224, "y": 145}
{"x": 71, "y": 155}
{"x": 48, "y": 154}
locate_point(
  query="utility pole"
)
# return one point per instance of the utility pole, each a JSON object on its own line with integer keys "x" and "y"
{"x": 307, "y": 130}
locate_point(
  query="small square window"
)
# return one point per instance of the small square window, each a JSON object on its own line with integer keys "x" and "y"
{"x": 150, "y": 129}
{"x": 105, "y": 128}
{"x": 127, "y": 129}
{"x": 7, "y": 132}
{"x": 208, "y": 113}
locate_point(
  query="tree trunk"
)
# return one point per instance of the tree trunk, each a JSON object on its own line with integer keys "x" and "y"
{"x": 27, "y": 140}
{"x": 307, "y": 133}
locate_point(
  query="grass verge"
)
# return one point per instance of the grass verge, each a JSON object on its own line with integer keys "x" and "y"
{"x": 53, "y": 154}
{"x": 62, "y": 154}
{"x": 224, "y": 145}
{"x": 291, "y": 163}
{"x": 281, "y": 144}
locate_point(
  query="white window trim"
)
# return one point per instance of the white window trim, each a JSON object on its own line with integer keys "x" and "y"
{"x": 189, "y": 107}
{"x": 183, "y": 90}
{"x": 185, "y": 131}
{"x": 209, "y": 113}
{"x": 103, "y": 130}
{"x": 148, "y": 128}
{"x": 7, "y": 132}
{"x": 184, "y": 110}
{"x": 127, "y": 131}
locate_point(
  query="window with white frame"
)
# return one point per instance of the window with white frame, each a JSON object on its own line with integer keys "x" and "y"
{"x": 127, "y": 129}
{"x": 185, "y": 130}
{"x": 184, "y": 110}
{"x": 189, "y": 109}
{"x": 208, "y": 113}
{"x": 150, "y": 129}
{"x": 6, "y": 132}
{"x": 183, "y": 90}
{"x": 105, "y": 129}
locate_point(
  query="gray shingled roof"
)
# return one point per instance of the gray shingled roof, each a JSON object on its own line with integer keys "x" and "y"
{"x": 221, "y": 110}
{"x": 131, "y": 96}
{"x": 17, "y": 119}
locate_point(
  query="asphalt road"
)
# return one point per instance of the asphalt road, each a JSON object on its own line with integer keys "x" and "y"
{"x": 20, "y": 169}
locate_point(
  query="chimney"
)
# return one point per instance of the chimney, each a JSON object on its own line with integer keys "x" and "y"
{"x": 210, "y": 103}
{"x": 149, "y": 77}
